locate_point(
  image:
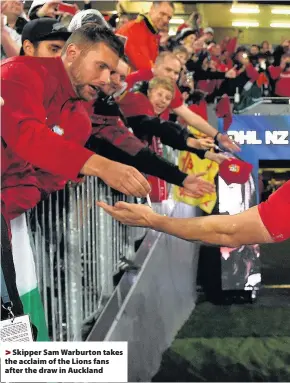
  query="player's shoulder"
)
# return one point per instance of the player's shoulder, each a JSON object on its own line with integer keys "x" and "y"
{"x": 283, "y": 193}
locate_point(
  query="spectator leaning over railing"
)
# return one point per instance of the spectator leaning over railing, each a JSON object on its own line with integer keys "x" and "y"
{"x": 45, "y": 124}
{"x": 142, "y": 45}
{"x": 148, "y": 116}
{"x": 44, "y": 128}
{"x": 168, "y": 65}
{"x": 128, "y": 149}
{"x": 111, "y": 137}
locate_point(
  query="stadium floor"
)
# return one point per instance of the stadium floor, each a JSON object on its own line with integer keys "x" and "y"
{"x": 237, "y": 342}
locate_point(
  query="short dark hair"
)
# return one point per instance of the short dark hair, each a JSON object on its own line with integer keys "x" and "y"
{"x": 171, "y": 3}
{"x": 125, "y": 58}
{"x": 90, "y": 34}
{"x": 35, "y": 46}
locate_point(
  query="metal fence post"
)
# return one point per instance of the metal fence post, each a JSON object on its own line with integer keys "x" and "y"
{"x": 105, "y": 245}
{"x": 74, "y": 263}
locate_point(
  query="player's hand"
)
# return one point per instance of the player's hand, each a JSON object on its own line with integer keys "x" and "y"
{"x": 130, "y": 214}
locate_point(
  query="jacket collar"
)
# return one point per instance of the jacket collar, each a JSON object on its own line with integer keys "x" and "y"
{"x": 148, "y": 23}
{"x": 65, "y": 80}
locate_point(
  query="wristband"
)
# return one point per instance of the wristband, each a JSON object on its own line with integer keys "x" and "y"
{"x": 216, "y": 138}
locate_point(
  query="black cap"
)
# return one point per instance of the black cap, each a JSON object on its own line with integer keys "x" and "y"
{"x": 44, "y": 29}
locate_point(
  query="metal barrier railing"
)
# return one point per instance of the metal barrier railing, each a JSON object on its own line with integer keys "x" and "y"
{"x": 77, "y": 251}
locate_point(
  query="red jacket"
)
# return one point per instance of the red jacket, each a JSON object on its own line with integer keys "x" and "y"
{"x": 282, "y": 86}
{"x": 43, "y": 131}
{"x": 142, "y": 46}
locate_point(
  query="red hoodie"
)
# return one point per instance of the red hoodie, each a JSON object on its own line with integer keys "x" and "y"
{"x": 43, "y": 131}
{"x": 282, "y": 87}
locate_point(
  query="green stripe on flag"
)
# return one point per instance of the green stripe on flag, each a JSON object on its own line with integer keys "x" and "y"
{"x": 26, "y": 276}
{"x": 32, "y": 305}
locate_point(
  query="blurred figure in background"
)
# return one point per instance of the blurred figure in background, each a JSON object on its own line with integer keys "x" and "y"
{"x": 14, "y": 10}
{"x": 12, "y": 25}
{"x": 41, "y": 8}
{"x": 281, "y": 75}
{"x": 123, "y": 20}
{"x": 142, "y": 46}
{"x": 266, "y": 48}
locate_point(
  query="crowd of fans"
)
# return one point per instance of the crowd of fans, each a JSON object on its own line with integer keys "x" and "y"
{"x": 88, "y": 96}
{"x": 225, "y": 67}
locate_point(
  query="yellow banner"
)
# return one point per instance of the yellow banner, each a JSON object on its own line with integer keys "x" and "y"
{"x": 191, "y": 164}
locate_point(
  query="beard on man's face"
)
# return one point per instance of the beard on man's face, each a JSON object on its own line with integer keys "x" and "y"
{"x": 87, "y": 92}
{"x": 84, "y": 91}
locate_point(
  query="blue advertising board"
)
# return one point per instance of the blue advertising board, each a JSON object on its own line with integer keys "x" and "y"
{"x": 260, "y": 138}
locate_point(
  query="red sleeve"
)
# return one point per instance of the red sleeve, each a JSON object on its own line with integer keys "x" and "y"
{"x": 178, "y": 100}
{"x": 275, "y": 213}
{"x": 140, "y": 75}
{"x": 136, "y": 104}
{"x": 252, "y": 73}
{"x": 119, "y": 136}
{"x": 275, "y": 72}
{"x": 26, "y": 134}
{"x": 137, "y": 48}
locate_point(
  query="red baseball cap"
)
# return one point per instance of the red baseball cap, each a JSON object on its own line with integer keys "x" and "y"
{"x": 235, "y": 171}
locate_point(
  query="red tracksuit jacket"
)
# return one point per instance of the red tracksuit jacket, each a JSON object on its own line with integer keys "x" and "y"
{"x": 44, "y": 130}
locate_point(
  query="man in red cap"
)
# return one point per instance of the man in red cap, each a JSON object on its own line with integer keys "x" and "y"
{"x": 266, "y": 223}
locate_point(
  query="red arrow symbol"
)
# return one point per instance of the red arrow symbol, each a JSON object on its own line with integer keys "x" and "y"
{"x": 7, "y": 352}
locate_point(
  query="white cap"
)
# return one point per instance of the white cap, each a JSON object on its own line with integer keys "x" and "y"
{"x": 88, "y": 16}
{"x": 209, "y": 30}
{"x": 35, "y": 4}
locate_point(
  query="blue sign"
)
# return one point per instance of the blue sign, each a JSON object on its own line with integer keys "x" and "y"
{"x": 261, "y": 138}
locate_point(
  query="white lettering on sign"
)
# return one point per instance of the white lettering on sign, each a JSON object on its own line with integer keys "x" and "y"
{"x": 276, "y": 137}
{"x": 250, "y": 137}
